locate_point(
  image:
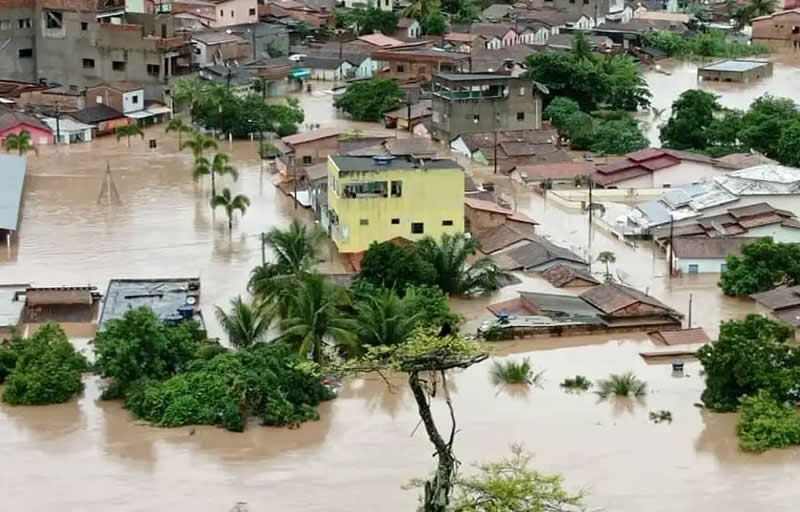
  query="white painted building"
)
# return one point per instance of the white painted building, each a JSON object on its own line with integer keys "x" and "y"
{"x": 69, "y": 130}
{"x": 705, "y": 255}
{"x": 384, "y": 5}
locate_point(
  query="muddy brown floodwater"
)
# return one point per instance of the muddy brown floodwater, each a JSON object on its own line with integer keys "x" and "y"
{"x": 91, "y": 456}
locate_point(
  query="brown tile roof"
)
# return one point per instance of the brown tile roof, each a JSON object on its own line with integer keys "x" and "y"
{"x": 709, "y": 248}
{"x": 488, "y": 30}
{"x": 536, "y": 252}
{"x": 518, "y": 148}
{"x": 681, "y": 337}
{"x": 124, "y": 85}
{"x": 789, "y": 316}
{"x": 417, "y": 146}
{"x": 753, "y": 209}
{"x": 737, "y": 161}
{"x": 11, "y": 119}
{"x": 461, "y": 37}
{"x": 782, "y": 297}
{"x": 560, "y": 275}
{"x": 380, "y": 40}
{"x": 557, "y": 170}
{"x": 504, "y": 235}
{"x": 301, "y": 138}
{"x": 486, "y": 206}
{"x": 611, "y": 297}
{"x": 65, "y": 296}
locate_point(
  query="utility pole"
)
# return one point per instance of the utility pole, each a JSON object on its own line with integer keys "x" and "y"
{"x": 294, "y": 180}
{"x": 591, "y": 215}
{"x": 671, "y": 230}
{"x": 494, "y": 109}
{"x": 58, "y": 124}
{"x": 690, "y": 311}
{"x": 263, "y": 250}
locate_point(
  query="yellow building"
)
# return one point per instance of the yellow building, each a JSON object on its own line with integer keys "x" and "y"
{"x": 384, "y": 197}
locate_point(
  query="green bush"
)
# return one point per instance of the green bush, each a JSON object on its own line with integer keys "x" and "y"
{"x": 625, "y": 384}
{"x": 513, "y": 372}
{"x": 266, "y": 380}
{"x": 47, "y": 370}
{"x": 764, "y": 424}
{"x": 577, "y": 382}
{"x": 8, "y": 360}
{"x": 708, "y": 44}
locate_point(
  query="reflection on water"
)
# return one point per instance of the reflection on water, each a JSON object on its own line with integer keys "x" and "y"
{"x": 94, "y": 457}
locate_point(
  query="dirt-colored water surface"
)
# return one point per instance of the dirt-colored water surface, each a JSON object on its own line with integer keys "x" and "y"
{"x": 91, "y": 456}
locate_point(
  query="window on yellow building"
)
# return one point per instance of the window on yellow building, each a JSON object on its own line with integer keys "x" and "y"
{"x": 397, "y": 189}
{"x": 447, "y": 223}
{"x": 417, "y": 228}
{"x": 395, "y": 221}
{"x": 364, "y": 222}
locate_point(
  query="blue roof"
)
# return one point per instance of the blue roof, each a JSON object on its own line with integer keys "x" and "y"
{"x": 12, "y": 179}
{"x": 656, "y": 212}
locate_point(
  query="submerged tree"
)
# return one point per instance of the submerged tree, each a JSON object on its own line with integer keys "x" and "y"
{"x": 178, "y": 126}
{"x": 129, "y": 130}
{"x": 230, "y": 203}
{"x": 426, "y": 359}
{"x": 199, "y": 143}
{"x": 219, "y": 165}
{"x": 246, "y": 323}
{"x": 607, "y": 257}
{"x": 20, "y": 142}
{"x": 454, "y": 274}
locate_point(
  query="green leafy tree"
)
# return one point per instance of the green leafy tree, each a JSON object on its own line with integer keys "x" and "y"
{"x": 789, "y": 144}
{"x": 19, "y": 142}
{"x": 296, "y": 251}
{"x": 187, "y": 92}
{"x": 47, "y": 369}
{"x": 219, "y": 165}
{"x": 230, "y": 203}
{"x": 432, "y": 304}
{"x": 425, "y": 356}
{"x": 139, "y": 345}
{"x": 265, "y": 380}
{"x": 692, "y": 114}
{"x": 8, "y": 357}
{"x": 455, "y": 275}
{"x": 751, "y": 355}
{"x": 558, "y": 111}
{"x": 177, "y": 125}
{"x": 246, "y": 323}
{"x": 579, "y": 129}
{"x": 314, "y": 319}
{"x": 368, "y": 20}
{"x": 703, "y": 44}
{"x": 627, "y": 88}
{"x": 418, "y": 9}
{"x": 367, "y": 100}
{"x": 460, "y": 11}
{"x": 581, "y": 46}
{"x": 128, "y": 131}
{"x": 433, "y": 23}
{"x": 763, "y": 265}
{"x": 384, "y": 319}
{"x": 764, "y": 122}
{"x": 511, "y": 486}
{"x": 606, "y": 258}
{"x": 389, "y": 265}
{"x": 618, "y": 137}
{"x": 764, "y": 423}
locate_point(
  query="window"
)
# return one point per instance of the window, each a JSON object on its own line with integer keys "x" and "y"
{"x": 88, "y": 63}
{"x": 417, "y": 228}
{"x": 252, "y": 12}
{"x": 24, "y": 23}
{"x": 397, "y": 189}
{"x": 118, "y": 65}
{"x": 666, "y": 185}
{"x": 221, "y": 13}
{"x": 84, "y": 26}
{"x": 693, "y": 269}
{"x": 447, "y": 223}
{"x": 25, "y": 53}
{"x": 307, "y": 159}
{"x": 400, "y": 68}
{"x": 520, "y": 116}
{"x": 232, "y": 15}
{"x": 54, "y": 19}
{"x": 795, "y": 30}
{"x": 135, "y": 99}
{"x": 153, "y": 69}
{"x": 395, "y": 221}
{"x": 723, "y": 267}
{"x": 522, "y": 91}
{"x": 5, "y": 24}
{"x": 364, "y": 222}
{"x": 98, "y": 99}
{"x": 476, "y": 118}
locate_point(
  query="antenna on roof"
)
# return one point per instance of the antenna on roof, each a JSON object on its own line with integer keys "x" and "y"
{"x": 108, "y": 191}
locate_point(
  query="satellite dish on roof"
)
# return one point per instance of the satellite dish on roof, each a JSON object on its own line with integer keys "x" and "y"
{"x": 191, "y": 301}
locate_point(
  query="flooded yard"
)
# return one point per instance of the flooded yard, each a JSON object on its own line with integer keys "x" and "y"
{"x": 92, "y": 456}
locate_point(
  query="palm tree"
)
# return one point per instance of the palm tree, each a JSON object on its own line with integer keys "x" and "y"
{"x": 246, "y": 323}
{"x": 199, "y": 143}
{"x": 762, "y": 7}
{"x": 218, "y": 165}
{"x": 20, "y": 142}
{"x": 231, "y": 203}
{"x": 314, "y": 319}
{"x": 607, "y": 257}
{"x": 581, "y": 47}
{"x": 383, "y": 319}
{"x": 454, "y": 274}
{"x": 177, "y": 125}
{"x": 418, "y": 9}
{"x": 296, "y": 251}
{"x": 129, "y": 130}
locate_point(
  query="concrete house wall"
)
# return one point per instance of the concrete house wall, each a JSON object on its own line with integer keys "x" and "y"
{"x": 704, "y": 265}
{"x": 39, "y": 136}
{"x": 779, "y": 30}
{"x": 13, "y": 66}
{"x": 235, "y": 12}
{"x": 685, "y": 173}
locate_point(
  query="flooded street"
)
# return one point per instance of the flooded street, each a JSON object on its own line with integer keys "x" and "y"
{"x": 91, "y": 456}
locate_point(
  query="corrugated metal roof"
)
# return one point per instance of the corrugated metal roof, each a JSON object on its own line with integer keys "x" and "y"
{"x": 12, "y": 180}
{"x": 12, "y": 301}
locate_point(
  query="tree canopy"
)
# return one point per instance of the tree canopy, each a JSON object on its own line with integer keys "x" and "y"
{"x": 433, "y": 23}
{"x": 702, "y": 44}
{"x": 763, "y": 265}
{"x": 367, "y": 100}
{"x": 751, "y": 355}
{"x": 46, "y": 368}
{"x": 389, "y": 265}
{"x": 366, "y": 20}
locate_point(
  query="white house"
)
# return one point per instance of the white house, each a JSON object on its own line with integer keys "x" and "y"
{"x": 69, "y": 130}
{"x": 705, "y": 255}
{"x": 535, "y": 34}
{"x": 366, "y": 67}
{"x": 329, "y": 68}
{"x": 384, "y": 5}
{"x": 408, "y": 28}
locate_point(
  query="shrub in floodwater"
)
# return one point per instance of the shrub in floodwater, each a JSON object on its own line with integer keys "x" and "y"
{"x": 513, "y": 372}
{"x": 764, "y": 423}
{"x": 661, "y": 416}
{"x": 579, "y": 382}
{"x": 621, "y": 385}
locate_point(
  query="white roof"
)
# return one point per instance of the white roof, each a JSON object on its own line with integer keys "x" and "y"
{"x": 761, "y": 180}
{"x": 10, "y": 309}
{"x": 66, "y": 124}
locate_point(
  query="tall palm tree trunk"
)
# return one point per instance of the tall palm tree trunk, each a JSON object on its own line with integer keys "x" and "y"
{"x": 230, "y": 216}
{"x": 213, "y": 184}
{"x": 129, "y": 141}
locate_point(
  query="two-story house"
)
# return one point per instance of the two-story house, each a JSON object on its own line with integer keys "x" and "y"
{"x": 380, "y": 198}
{"x": 483, "y": 102}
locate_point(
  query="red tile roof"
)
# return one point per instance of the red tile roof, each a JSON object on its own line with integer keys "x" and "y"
{"x": 301, "y": 138}
{"x": 681, "y": 337}
{"x": 560, "y": 170}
